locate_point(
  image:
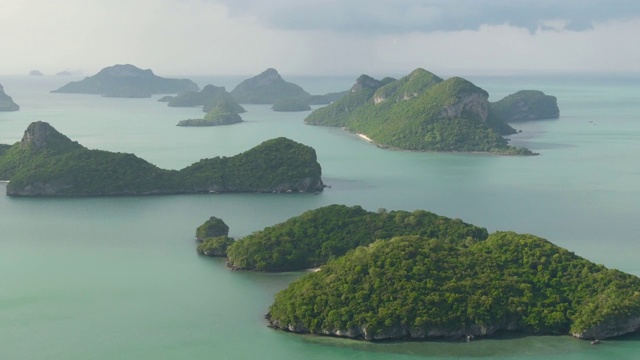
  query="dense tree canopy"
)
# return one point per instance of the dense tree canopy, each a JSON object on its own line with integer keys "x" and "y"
{"x": 311, "y": 239}
{"x": 417, "y": 286}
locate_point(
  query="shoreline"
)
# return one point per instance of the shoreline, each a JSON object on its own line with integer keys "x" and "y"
{"x": 363, "y": 136}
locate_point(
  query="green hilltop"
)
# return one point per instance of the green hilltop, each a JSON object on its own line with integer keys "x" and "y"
{"x": 47, "y": 163}
{"x": 417, "y": 287}
{"x": 420, "y": 112}
{"x": 312, "y": 238}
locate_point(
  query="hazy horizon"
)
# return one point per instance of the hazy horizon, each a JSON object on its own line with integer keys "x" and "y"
{"x": 320, "y": 37}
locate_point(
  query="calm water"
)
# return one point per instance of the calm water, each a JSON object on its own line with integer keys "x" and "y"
{"x": 118, "y": 278}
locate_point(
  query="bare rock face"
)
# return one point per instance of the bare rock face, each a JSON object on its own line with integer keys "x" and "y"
{"x": 40, "y": 135}
{"x": 610, "y": 328}
{"x": 471, "y": 103}
{"x": 6, "y": 102}
{"x": 365, "y": 82}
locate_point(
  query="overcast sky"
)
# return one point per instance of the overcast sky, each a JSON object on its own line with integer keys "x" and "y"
{"x": 323, "y": 37}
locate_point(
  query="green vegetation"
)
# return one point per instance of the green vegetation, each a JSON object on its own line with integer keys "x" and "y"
{"x": 127, "y": 81}
{"x": 47, "y": 163}
{"x": 420, "y": 287}
{"x": 213, "y": 227}
{"x": 209, "y": 98}
{"x": 6, "y": 102}
{"x": 215, "y": 246}
{"x": 291, "y": 104}
{"x": 266, "y": 88}
{"x": 311, "y": 239}
{"x": 420, "y": 112}
{"x": 526, "y": 105}
{"x": 224, "y": 113}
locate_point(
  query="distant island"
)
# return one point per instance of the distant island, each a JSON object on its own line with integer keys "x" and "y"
{"x": 270, "y": 88}
{"x": 35, "y": 73}
{"x": 64, "y": 73}
{"x": 422, "y": 112}
{"x": 291, "y": 104}
{"x": 417, "y": 287}
{"x": 127, "y": 81}
{"x": 47, "y": 163}
{"x": 266, "y": 88}
{"x": 209, "y": 97}
{"x": 224, "y": 111}
{"x": 6, "y": 102}
{"x": 525, "y": 105}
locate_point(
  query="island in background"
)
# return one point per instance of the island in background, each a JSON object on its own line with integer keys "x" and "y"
{"x": 127, "y": 81}
{"x": 6, "y": 102}
{"x": 423, "y": 112}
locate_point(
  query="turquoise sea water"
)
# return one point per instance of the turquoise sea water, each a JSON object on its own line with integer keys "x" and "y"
{"x": 118, "y": 278}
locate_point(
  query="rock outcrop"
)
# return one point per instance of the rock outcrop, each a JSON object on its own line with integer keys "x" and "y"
{"x": 6, "y": 102}
{"x": 127, "y": 81}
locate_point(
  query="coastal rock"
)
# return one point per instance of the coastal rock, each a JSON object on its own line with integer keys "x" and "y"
{"x": 127, "y": 81}
{"x": 266, "y": 88}
{"x": 6, "y": 102}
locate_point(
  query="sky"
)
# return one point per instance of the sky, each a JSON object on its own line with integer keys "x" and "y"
{"x": 321, "y": 37}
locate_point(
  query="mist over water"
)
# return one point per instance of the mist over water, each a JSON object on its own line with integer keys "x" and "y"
{"x": 118, "y": 278}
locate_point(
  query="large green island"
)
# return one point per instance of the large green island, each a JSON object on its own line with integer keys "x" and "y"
{"x": 127, "y": 81}
{"x": 416, "y": 275}
{"x": 47, "y": 163}
{"x": 423, "y": 112}
{"x": 6, "y": 102}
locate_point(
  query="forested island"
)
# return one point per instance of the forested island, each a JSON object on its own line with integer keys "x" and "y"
{"x": 127, "y": 81}
{"x": 311, "y": 239}
{"x": 47, "y": 163}
{"x": 417, "y": 275}
{"x": 209, "y": 97}
{"x": 269, "y": 87}
{"x": 223, "y": 113}
{"x": 266, "y": 88}
{"x": 6, "y": 102}
{"x": 525, "y": 105}
{"x": 423, "y": 112}
{"x": 416, "y": 287}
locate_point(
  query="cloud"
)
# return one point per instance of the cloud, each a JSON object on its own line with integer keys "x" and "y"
{"x": 406, "y": 16}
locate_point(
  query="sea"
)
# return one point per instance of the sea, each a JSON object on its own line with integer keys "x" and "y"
{"x": 119, "y": 277}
